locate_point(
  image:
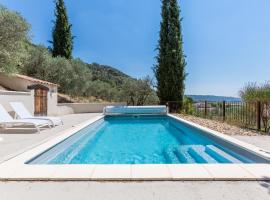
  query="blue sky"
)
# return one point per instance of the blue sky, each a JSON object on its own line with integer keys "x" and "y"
{"x": 227, "y": 42}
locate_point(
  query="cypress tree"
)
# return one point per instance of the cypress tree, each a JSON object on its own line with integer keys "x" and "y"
{"x": 62, "y": 36}
{"x": 176, "y": 57}
{"x": 161, "y": 67}
{"x": 170, "y": 70}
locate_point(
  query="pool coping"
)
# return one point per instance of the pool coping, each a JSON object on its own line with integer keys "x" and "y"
{"x": 14, "y": 169}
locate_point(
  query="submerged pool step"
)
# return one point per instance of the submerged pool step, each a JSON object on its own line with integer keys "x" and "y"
{"x": 220, "y": 155}
{"x": 183, "y": 155}
{"x": 170, "y": 156}
{"x": 199, "y": 155}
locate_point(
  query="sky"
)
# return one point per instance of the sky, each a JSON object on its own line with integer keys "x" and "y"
{"x": 226, "y": 42}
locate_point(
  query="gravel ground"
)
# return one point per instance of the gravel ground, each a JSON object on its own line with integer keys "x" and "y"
{"x": 221, "y": 127}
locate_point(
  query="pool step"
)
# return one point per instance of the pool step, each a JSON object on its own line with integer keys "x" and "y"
{"x": 183, "y": 155}
{"x": 170, "y": 156}
{"x": 199, "y": 155}
{"x": 220, "y": 155}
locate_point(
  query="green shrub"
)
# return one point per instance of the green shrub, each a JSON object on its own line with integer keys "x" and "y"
{"x": 188, "y": 107}
{"x": 139, "y": 92}
{"x": 254, "y": 92}
{"x": 13, "y": 40}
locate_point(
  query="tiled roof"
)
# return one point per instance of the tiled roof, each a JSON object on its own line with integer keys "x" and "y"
{"x": 35, "y": 80}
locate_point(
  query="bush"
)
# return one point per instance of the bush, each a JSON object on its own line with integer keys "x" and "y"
{"x": 72, "y": 76}
{"x": 40, "y": 64}
{"x": 254, "y": 92}
{"x": 188, "y": 105}
{"x": 139, "y": 92}
{"x": 13, "y": 40}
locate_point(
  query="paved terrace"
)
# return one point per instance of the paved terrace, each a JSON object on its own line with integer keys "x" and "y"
{"x": 12, "y": 144}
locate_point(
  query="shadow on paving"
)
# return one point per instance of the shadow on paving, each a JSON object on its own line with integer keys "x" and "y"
{"x": 265, "y": 184}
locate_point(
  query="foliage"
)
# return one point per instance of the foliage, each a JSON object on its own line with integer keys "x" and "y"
{"x": 188, "y": 105}
{"x": 13, "y": 36}
{"x": 76, "y": 78}
{"x": 40, "y": 64}
{"x": 137, "y": 93}
{"x": 80, "y": 79}
{"x": 102, "y": 90}
{"x": 160, "y": 69}
{"x": 62, "y": 43}
{"x": 71, "y": 75}
{"x": 107, "y": 74}
{"x": 254, "y": 92}
{"x": 170, "y": 69}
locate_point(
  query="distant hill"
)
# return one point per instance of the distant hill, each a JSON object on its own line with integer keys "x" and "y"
{"x": 107, "y": 74}
{"x": 212, "y": 98}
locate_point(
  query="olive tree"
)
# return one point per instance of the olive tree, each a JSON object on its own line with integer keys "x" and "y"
{"x": 253, "y": 93}
{"x": 13, "y": 39}
{"x": 139, "y": 92}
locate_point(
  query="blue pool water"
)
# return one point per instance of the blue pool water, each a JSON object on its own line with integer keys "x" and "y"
{"x": 139, "y": 140}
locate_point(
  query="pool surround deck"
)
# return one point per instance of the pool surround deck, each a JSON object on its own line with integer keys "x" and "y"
{"x": 15, "y": 169}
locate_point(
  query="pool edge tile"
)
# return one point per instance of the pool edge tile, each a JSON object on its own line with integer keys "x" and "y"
{"x": 73, "y": 172}
{"x": 32, "y": 173}
{"x": 261, "y": 172}
{"x": 189, "y": 172}
{"x": 228, "y": 172}
{"x": 112, "y": 172}
{"x": 6, "y": 171}
{"x": 150, "y": 172}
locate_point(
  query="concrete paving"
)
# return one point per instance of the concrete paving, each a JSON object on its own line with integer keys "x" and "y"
{"x": 13, "y": 144}
{"x": 262, "y": 141}
{"x": 134, "y": 190}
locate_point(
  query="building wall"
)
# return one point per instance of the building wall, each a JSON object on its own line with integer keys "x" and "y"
{"x": 52, "y": 102}
{"x": 90, "y": 107}
{"x": 54, "y": 109}
{"x": 10, "y": 96}
{"x": 27, "y": 98}
{"x": 19, "y": 84}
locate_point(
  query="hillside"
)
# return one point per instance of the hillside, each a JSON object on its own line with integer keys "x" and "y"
{"x": 77, "y": 80}
{"x": 104, "y": 79}
{"x": 107, "y": 74}
{"x": 213, "y": 98}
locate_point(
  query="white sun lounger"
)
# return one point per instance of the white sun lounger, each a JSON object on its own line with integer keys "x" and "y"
{"x": 6, "y": 121}
{"x": 23, "y": 113}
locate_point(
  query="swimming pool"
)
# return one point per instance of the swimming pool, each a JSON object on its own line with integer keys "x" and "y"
{"x": 138, "y": 139}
